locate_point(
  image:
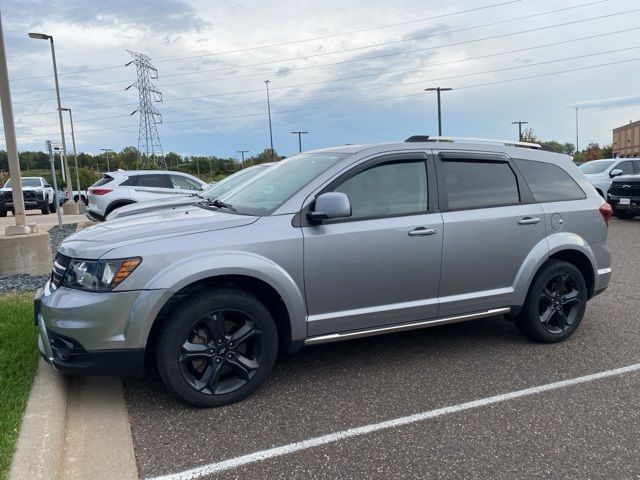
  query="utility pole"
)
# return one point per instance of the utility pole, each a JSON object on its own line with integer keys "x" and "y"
{"x": 211, "y": 168}
{"x": 242, "y": 152}
{"x": 577, "y": 133}
{"x": 519, "y": 129}
{"x": 107, "y": 150}
{"x": 299, "y": 133}
{"x": 267, "y": 82}
{"x": 12, "y": 146}
{"x": 75, "y": 153}
{"x": 438, "y": 90}
{"x": 66, "y": 173}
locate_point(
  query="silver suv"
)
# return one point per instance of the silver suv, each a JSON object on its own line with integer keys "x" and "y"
{"x": 325, "y": 246}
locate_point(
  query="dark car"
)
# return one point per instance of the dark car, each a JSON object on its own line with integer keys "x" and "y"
{"x": 624, "y": 196}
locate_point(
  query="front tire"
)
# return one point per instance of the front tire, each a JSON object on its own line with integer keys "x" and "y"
{"x": 555, "y": 304}
{"x": 46, "y": 208}
{"x": 216, "y": 347}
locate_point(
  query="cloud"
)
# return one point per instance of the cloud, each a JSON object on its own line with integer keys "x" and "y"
{"x": 607, "y": 102}
{"x": 283, "y": 72}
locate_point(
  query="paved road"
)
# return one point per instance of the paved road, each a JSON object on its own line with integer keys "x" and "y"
{"x": 589, "y": 430}
{"x": 44, "y": 221}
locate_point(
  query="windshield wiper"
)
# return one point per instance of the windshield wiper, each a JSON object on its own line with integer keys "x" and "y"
{"x": 220, "y": 204}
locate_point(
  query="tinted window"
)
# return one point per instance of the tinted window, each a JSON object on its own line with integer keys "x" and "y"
{"x": 636, "y": 164}
{"x": 184, "y": 183}
{"x": 388, "y": 189}
{"x": 477, "y": 184}
{"x": 626, "y": 167}
{"x": 548, "y": 182}
{"x": 153, "y": 181}
{"x": 596, "y": 166}
{"x": 103, "y": 181}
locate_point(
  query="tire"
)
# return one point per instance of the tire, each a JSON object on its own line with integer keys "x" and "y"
{"x": 561, "y": 302}
{"x": 53, "y": 207}
{"x": 201, "y": 365}
{"x": 624, "y": 214}
{"x": 46, "y": 208}
{"x": 3, "y": 213}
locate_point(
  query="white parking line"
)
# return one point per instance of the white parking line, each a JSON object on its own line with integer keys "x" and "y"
{"x": 199, "y": 472}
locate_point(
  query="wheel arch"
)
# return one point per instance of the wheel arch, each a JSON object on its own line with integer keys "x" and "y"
{"x": 117, "y": 203}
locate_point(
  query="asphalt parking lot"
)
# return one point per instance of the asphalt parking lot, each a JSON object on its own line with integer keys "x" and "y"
{"x": 581, "y": 430}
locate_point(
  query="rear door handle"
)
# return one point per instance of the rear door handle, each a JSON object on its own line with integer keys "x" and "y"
{"x": 423, "y": 232}
{"x": 529, "y": 221}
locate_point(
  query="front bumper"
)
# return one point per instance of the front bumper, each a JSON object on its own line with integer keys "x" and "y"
{"x": 633, "y": 204}
{"x": 95, "y": 333}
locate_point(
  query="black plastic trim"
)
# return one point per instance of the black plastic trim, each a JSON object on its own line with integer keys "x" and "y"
{"x": 127, "y": 362}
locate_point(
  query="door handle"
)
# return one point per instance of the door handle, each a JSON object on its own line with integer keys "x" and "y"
{"x": 423, "y": 232}
{"x": 529, "y": 221}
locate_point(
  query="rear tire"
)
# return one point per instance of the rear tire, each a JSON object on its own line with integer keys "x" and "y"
{"x": 46, "y": 209}
{"x": 624, "y": 214}
{"x": 216, "y": 347}
{"x": 555, "y": 304}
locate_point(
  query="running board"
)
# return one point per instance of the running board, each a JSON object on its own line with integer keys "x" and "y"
{"x": 338, "y": 337}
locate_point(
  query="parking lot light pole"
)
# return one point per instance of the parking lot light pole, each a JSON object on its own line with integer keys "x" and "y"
{"x": 75, "y": 153}
{"x": 12, "y": 145}
{"x": 66, "y": 171}
{"x": 54, "y": 180}
{"x": 242, "y": 152}
{"x": 299, "y": 133}
{"x": 438, "y": 90}
{"x": 267, "y": 82}
{"x": 519, "y": 129}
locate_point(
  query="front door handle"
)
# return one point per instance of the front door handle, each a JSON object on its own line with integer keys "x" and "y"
{"x": 423, "y": 232}
{"x": 529, "y": 221}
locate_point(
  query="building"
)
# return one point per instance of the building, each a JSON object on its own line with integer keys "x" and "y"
{"x": 626, "y": 140}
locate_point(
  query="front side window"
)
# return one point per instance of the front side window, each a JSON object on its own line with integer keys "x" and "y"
{"x": 626, "y": 167}
{"x": 397, "y": 188}
{"x": 183, "y": 183}
{"x": 478, "y": 184}
{"x": 548, "y": 182}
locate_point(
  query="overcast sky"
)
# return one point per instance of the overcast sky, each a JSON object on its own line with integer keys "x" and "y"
{"x": 215, "y": 102}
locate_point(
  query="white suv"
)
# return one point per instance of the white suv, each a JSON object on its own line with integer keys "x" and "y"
{"x": 116, "y": 189}
{"x": 601, "y": 172}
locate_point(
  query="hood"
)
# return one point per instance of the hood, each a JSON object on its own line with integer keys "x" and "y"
{"x": 95, "y": 241}
{"x": 152, "y": 205}
{"x": 627, "y": 179}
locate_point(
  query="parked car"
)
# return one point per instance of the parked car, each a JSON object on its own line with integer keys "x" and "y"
{"x": 624, "y": 196}
{"x": 328, "y": 245}
{"x": 117, "y": 189}
{"x": 209, "y": 194}
{"x": 37, "y": 194}
{"x": 600, "y": 172}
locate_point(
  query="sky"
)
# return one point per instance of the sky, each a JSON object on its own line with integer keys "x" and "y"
{"x": 346, "y": 72}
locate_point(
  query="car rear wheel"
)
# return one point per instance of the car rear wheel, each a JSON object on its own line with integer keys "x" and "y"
{"x": 216, "y": 347}
{"x": 555, "y": 304}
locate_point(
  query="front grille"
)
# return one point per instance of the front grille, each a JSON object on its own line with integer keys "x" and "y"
{"x": 60, "y": 265}
{"x": 625, "y": 189}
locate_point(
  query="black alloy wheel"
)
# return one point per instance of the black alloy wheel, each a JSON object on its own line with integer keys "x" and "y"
{"x": 559, "y": 303}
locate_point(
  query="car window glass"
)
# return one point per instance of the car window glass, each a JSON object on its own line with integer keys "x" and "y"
{"x": 397, "y": 188}
{"x": 596, "y": 166}
{"x": 103, "y": 181}
{"x": 184, "y": 183}
{"x": 548, "y": 182}
{"x": 153, "y": 181}
{"x": 626, "y": 167}
{"x": 477, "y": 184}
{"x": 636, "y": 164}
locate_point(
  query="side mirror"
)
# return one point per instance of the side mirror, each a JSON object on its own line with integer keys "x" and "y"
{"x": 330, "y": 205}
{"x": 615, "y": 172}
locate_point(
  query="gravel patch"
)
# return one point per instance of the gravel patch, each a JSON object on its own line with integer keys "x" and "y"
{"x": 25, "y": 283}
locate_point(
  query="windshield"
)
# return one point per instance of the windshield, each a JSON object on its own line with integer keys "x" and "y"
{"x": 265, "y": 193}
{"x": 596, "y": 167}
{"x": 232, "y": 181}
{"x": 26, "y": 182}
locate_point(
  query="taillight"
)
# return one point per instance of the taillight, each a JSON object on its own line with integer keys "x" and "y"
{"x": 100, "y": 191}
{"x": 606, "y": 212}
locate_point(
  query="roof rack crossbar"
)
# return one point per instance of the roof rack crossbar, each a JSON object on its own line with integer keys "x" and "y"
{"x": 510, "y": 143}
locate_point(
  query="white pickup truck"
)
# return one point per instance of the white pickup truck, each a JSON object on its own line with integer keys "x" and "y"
{"x": 37, "y": 194}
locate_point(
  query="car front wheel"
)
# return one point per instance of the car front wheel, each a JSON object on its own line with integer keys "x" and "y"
{"x": 216, "y": 347}
{"x": 555, "y": 304}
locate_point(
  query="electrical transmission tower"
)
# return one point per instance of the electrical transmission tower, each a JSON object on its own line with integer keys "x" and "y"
{"x": 149, "y": 146}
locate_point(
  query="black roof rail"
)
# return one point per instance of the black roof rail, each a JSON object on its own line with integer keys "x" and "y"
{"x": 418, "y": 138}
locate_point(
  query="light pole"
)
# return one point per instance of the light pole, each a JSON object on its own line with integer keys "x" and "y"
{"x": 519, "y": 129}
{"x": 299, "y": 133}
{"x": 438, "y": 90}
{"x": 107, "y": 150}
{"x": 75, "y": 153}
{"x": 66, "y": 171}
{"x": 267, "y": 82}
{"x": 577, "y": 131}
{"x": 242, "y": 152}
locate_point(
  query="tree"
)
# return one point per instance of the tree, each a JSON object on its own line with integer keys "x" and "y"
{"x": 592, "y": 152}
{"x": 529, "y": 136}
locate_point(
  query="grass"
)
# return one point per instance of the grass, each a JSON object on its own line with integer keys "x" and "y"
{"x": 18, "y": 361}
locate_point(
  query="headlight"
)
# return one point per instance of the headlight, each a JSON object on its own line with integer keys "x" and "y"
{"x": 99, "y": 275}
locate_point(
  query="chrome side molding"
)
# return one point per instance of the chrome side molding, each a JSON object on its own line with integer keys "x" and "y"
{"x": 338, "y": 337}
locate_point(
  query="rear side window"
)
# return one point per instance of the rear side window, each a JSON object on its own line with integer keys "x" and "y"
{"x": 103, "y": 181}
{"x": 153, "y": 180}
{"x": 478, "y": 184}
{"x": 549, "y": 182}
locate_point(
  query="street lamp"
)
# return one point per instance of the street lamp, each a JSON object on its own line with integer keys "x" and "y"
{"x": 107, "y": 150}
{"x": 67, "y": 172}
{"x": 267, "y": 82}
{"x": 299, "y": 133}
{"x": 438, "y": 90}
{"x": 519, "y": 129}
{"x": 75, "y": 153}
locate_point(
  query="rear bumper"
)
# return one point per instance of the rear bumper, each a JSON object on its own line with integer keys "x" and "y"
{"x": 602, "y": 280}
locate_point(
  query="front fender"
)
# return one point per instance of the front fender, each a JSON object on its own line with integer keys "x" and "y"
{"x": 540, "y": 253}
{"x": 207, "y": 265}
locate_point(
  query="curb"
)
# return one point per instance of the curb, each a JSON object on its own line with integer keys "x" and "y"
{"x": 74, "y": 428}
